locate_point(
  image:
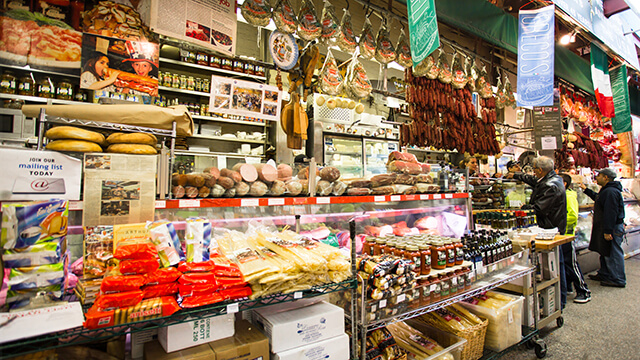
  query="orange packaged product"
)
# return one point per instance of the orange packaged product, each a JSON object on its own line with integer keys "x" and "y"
{"x": 138, "y": 267}
{"x": 197, "y": 278}
{"x": 151, "y": 291}
{"x": 147, "y": 310}
{"x": 205, "y": 266}
{"x": 117, "y": 300}
{"x": 224, "y": 267}
{"x": 121, "y": 283}
{"x": 236, "y": 293}
{"x": 162, "y": 276}
{"x": 196, "y": 289}
{"x": 201, "y": 300}
{"x": 141, "y": 251}
{"x": 229, "y": 282}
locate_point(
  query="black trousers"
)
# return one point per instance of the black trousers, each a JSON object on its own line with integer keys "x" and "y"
{"x": 572, "y": 270}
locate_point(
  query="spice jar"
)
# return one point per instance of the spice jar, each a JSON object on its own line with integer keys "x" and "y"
{"x": 8, "y": 83}
{"x": 198, "y": 84}
{"x": 438, "y": 255}
{"x": 205, "y": 85}
{"x": 46, "y": 88}
{"x": 259, "y": 70}
{"x": 226, "y": 64}
{"x": 451, "y": 253}
{"x": 425, "y": 259}
{"x": 27, "y": 86}
{"x": 458, "y": 248}
{"x": 64, "y": 90}
{"x": 412, "y": 253}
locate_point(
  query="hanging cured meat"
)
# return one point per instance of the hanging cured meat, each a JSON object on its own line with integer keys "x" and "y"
{"x": 444, "y": 74}
{"x": 367, "y": 41}
{"x": 483, "y": 87}
{"x": 330, "y": 78}
{"x": 511, "y": 99}
{"x": 309, "y": 27}
{"x": 385, "y": 52}
{"x": 357, "y": 82}
{"x": 330, "y": 27}
{"x": 346, "y": 37}
{"x": 404, "y": 51}
{"x": 460, "y": 77}
{"x": 256, "y": 12}
{"x": 472, "y": 73}
{"x": 501, "y": 99}
{"x": 284, "y": 17}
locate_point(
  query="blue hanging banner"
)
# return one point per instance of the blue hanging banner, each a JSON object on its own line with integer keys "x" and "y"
{"x": 535, "y": 56}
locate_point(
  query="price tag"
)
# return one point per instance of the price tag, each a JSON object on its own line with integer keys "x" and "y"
{"x": 232, "y": 308}
{"x": 297, "y": 295}
{"x": 275, "y": 202}
{"x": 160, "y": 204}
{"x": 492, "y": 267}
{"x": 374, "y": 307}
{"x": 437, "y": 196}
{"x": 191, "y": 203}
{"x": 379, "y": 198}
{"x": 454, "y": 281}
{"x": 250, "y": 202}
{"x": 448, "y": 196}
{"x": 424, "y": 197}
{"x": 515, "y": 203}
{"x": 395, "y": 197}
{"x": 77, "y": 205}
{"x": 401, "y": 298}
{"x": 383, "y": 303}
{"x": 323, "y": 200}
{"x": 510, "y": 315}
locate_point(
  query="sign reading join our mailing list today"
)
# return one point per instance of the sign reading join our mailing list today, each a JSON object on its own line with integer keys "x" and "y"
{"x": 39, "y": 175}
{"x": 536, "y": 56}
{"x": 547, "y": 126}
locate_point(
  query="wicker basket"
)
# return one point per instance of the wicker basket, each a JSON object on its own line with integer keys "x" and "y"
{"x": 474, "y": 347}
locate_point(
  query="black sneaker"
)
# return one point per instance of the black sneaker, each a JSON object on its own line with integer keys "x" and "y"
{"x": 582, "y": 298}
{"x": 596, "y": 277}
{"x": 607, "y": 283}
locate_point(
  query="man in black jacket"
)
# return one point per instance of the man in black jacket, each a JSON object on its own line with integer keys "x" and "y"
{"x": 608, "y": 229}
{"x": 549, "y": 202}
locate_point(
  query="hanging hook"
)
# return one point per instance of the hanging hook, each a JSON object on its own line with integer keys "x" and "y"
{"x": 347, "y": 9}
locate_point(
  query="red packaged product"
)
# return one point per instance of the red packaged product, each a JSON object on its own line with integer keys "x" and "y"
{"x": 143, "y": 251}
{"x": 117, "y": 300}
{"x": 151, "y": 291}
{"x": 227, "y": 282}
{"x": 236, "y": 293}
{"x": 224, "y": 267}
{"x": 148, "y": 309}
{"x": 198, "y": 278}
{"x": 202, "y": 300}
{"x": 138, "y": 267}
{"x": 197, "y": 289}
{"x": 121, "y": 283}
{"x": 205, "y": 266}
{"x": 162, "y": 276}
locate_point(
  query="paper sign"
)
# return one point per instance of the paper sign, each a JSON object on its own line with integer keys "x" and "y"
{"x": 549, "y": 143}
{"x": 232, "y": 308}
{"x": 275, "y": 202}
{"x": 161, "y": 204}
{"x": 249, "y": 202}
{"x": 323, "y": 200}
{"x": 383, "y": 303}
{"x": 396, "y": 197}
{"x": 190, "y": 203}
{"x": 380, "y": 198}
{"x": 423, "y": 28}
{"x": 48, "y": 320}
{"x": 297, "y": 295}
{"x": 244, "y": 98}
{"x": 401, "y": 298}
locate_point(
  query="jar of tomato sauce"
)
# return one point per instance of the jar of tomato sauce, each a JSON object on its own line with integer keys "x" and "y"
{"x": 438, "y": 255}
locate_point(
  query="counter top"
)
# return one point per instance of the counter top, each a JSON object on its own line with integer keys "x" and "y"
{"x": 557, "y": 241}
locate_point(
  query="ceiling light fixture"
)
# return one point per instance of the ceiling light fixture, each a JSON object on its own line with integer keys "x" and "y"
{"x": 568, "y": 38}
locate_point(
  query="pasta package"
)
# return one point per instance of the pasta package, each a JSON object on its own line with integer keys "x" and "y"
{"x": 121, "y": 283}
{"x": 198, "y": 278}
{"x": 186, "y": 290}
{"x": 31, "y": 223}
{"x": 164, "y": 237}
{"x": 205, "y": 266}
{"x": 152, "y": 291}
{"x": 146, "y": 310}
{"x": 197, "y": 239}
{"x": 201, "y": 300}
{"x": 162, "y": 276}
{"x": 235, "y": 293}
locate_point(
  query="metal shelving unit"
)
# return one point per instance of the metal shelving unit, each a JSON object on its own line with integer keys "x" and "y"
{"x": 183, "y": 91}
{"x": 38, "y": 99}
{"x": 221, "y": 138}
{"x": 211, "y": 69}
{"x": 229, "y": 121}
{"x": 30, "y": 69}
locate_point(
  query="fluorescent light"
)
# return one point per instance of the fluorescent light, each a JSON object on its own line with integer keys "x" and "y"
{"x": 565, "y": 39}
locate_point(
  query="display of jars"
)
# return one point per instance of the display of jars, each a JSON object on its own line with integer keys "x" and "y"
{"x": 64, "y": 90}
{"x": 413, "y": 253}
{"x": 8, "y": 83}
{"x": 46, "y": 88}
{"x": 27, "y": 86}
{"x": 202, "y": 59}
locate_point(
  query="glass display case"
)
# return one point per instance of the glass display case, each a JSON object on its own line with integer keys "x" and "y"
{"x": 344, "y": 153}
{"x": 377, "y": 155}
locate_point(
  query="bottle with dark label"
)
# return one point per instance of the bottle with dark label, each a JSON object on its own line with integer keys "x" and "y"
{"x": 16, "y": 5}
{"x": 54, "y": 9}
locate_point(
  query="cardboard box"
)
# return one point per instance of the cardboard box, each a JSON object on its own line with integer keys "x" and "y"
{"x": 189, "y": 334}
{"x": 549, "y": 266}
{"x": 248, "y": 343}
{"x": 291, "y": 325}
{"x": 154, "y": 351}
{"x": 548, "y": 301}
{"x": 336, "y": 348}
{"x": 138, "y": 339}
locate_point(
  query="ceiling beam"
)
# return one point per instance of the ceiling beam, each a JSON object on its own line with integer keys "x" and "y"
{"x": 612, "y": 7}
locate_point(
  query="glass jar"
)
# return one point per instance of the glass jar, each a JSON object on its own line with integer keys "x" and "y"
{"x": 384, "y": 249}
{"x": 436, "y": 289}
{"x": 367, "y": 248}
{"x": 453, "y": 281}
{"x": 27, "y": 86}
{"x": 445, "y": 285}
{"x": 166, "y": 79}
{"x": 413, "y": 253}
{"x": 198, "y": 84}
{"x": 64, "y": 90}
{"x": 425, "y": 259}
{"x": 438, "y": 255}
{"x": 399, "y": 250}
{"x": 205, "y": 85}
{"x": 226, "y": 64}
{"x": 249, "y": 69}
{"x": 175, "y": 81}
{"x": 451, "y": 253}
{"x": 8, "y": 83}
{"x": 462, "y": 275}
{"x": 202, "y": 59}
{"x": 46, "y": 88}
{"x": 183, "y": 82}
{"x": 215, "y": 61}
{"x": 425, "y": 291}
{"x": 458, "y": 248}
{"x": 238, "y": 66}
{"x": 259, "y": 70}
{"x": 377, "y": 248}
{"x": 469, "y": 277}
{"x": 191, "y": 83}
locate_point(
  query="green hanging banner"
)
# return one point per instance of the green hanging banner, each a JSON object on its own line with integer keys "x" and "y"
{"x": 423, "y": 28}
{"x": 622, "y": 122}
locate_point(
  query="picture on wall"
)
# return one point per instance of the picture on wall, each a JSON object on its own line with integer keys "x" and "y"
{"x": 244, "y": 98}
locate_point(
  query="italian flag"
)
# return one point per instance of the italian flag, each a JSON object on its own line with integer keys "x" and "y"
{"x": 601, "y": 81}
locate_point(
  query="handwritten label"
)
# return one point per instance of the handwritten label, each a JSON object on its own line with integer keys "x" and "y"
{"x": 191, "y": 203}
{"x": 448, "y": 196}
{"x": 437, "y": 196}
{"x": 161, "y": 204}
{"x": 396, "y": 198}
{"x": 323, "y": 200}
{"x": 379, "y": 198}
{"x": 76, "y": 205}
{"x": 383, "y": 303}
{"x": 232, "y": 308}
{"x": 276, "y": 202}
{"x": 250, "y": 202}
{"x": 297, "y": 295}
{"x": 401, "y": 298}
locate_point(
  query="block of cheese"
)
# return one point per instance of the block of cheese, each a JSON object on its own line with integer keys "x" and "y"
{"x": 74, "y": 133}
{"x": 136, "y": 149}
{"x": 74, "y": 145}
{"x": 132, "y": 138}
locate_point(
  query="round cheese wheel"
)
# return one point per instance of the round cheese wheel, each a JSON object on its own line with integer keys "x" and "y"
{"x": 74, "y": 145}
{"x": 74, "y": 133}
{"x": 132, "y": 149}
{"x": 132, "y": 138}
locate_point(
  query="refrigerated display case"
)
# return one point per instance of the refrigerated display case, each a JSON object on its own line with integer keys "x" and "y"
{"x": 377, "y": 154}
{"x": 344, "y": 153}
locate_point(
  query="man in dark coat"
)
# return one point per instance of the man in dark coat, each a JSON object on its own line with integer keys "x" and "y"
{"x": 549, "y": 202}
{"x": 608, "y": 229}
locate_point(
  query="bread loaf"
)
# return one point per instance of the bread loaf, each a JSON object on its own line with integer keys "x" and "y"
{"x": 330, "y": 174}
{"x": 132, "y": 138}
{"x": 242, "y": 188}
{"x": 132, "y": 149}
{"x": 73, "y": 145}
{"x": 195, "y": 179}
{"x": 74, "y": 133}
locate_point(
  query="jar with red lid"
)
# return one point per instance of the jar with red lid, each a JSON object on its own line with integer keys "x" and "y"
{"x": 457, "y": 244}
{"x": 425, "y": 259}
{"x": 438, "y": 255}
{"x": 412, "y": 253}
{"x": 451, "y": 253}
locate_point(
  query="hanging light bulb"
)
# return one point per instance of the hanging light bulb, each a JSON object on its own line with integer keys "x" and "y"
{"x": 565, "y": 39}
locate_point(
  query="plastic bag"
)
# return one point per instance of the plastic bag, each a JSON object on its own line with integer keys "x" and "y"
{"x": 35, "y": 255}
{"x": 204, "y": 266}
{"x": 385, "y": 52}
{"x": 501, "y": 98}
{"x": 162, "y": 276}
{"x": 309, "y": 28}
{"x": 117, "y": 300}
{"x": 196, "y": 289}
{"x": 367, "y": 42}
{"x": 151, "y": 291}
{"x": 198, "y": 278}
{"x": 166, "y": 240}
{"x": 460, "y": 77}
{"x": 472, "y": 73}
{"x": 330, "y": 77}
{"x": 444, "y": 75}
{"x": 121, "y": 283}
{"x": 141, "y": 251}
{"x": 511, "y": 99}
{"x": 404, "y": 51}
{"x": 146, "y": 310}
{"x": 30, "y": 223}
{"x": 358, "y": 85}
{"x": 229, "y": 282}
{"x": 201, "y": 300}
{"x": 236, "y": 293}
{"x": 346, "y": 39}
{"x": 330, "y": 25}
{"x": 426, "y": 67}
{"x": 197, "y": 239}
{"x": 284, "y": 17}
{"x": 32, "y": 277}
{"x": 138, "y": 267}
{"x": 224, "y": 267}
{"x": 483, "y": 87}
{"x": 256, "y": 12}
